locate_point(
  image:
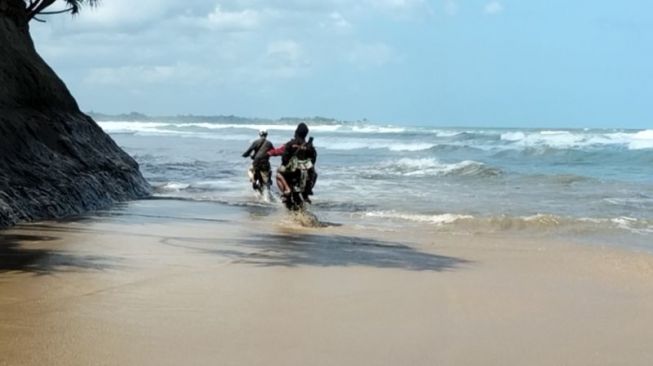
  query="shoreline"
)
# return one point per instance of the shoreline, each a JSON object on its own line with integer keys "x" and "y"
{"x": 247, "y": 286}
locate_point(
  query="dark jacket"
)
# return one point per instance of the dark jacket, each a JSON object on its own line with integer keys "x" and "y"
{"x": 259, "y": 149}
{"x": 300, "y": 148}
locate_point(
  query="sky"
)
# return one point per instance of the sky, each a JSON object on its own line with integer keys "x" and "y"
{"x": 485, "y": 63}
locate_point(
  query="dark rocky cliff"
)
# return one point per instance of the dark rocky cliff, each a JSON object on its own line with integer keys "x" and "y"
{"x": 55, "y": 161}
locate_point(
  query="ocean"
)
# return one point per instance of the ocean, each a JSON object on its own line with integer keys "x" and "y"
{"x": 589, "y": 184}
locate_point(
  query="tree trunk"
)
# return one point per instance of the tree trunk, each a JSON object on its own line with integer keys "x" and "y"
{"x": 55, "y": 161}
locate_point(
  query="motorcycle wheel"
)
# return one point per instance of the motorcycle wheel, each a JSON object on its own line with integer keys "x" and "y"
{"x": 294, "y": 202}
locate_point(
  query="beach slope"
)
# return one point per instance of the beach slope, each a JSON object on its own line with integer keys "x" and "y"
{"x": 214, "y": 284}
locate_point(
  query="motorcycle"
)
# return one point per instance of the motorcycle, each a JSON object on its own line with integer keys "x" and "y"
{"x": 300, "y": 182}
{"x": 260, "y": 179}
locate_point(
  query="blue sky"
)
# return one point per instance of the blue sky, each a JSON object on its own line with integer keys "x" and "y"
{"x": 535, "y": 63}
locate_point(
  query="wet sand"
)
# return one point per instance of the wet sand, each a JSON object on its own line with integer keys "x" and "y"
{"x": 217, "y": 285}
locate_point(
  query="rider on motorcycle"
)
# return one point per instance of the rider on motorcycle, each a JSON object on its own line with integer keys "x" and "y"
{"x": 258, "y": 151}
{"x": 292, "y": 154}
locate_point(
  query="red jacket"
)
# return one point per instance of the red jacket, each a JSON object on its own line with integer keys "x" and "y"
{"x": 278, "y": 151}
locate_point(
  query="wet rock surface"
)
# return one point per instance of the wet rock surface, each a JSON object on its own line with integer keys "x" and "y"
{"x": 55, "y": 161}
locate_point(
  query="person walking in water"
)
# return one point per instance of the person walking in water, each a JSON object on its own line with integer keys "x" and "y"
{"x": 259, "y": 172}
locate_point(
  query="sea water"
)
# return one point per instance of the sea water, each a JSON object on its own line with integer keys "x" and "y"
{"x": 591, "y": 182}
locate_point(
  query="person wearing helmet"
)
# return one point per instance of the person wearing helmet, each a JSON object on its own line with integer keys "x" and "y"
{"x": 302, "y": 150}
{"x": 258, "y": 151}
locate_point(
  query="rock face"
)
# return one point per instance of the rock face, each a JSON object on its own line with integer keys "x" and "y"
{"x": 55, "y": 161}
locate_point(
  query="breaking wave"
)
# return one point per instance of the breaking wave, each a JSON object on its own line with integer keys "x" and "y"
{"x": 377, "y": 129}
{"x": 564, "y": 139}
{"x": 357, "y": 144}
{"x": 179, "y": 127}
{"x": 433, "y": 167}
{"x": 500, "y": 223}
{"x": 432, "y": 219}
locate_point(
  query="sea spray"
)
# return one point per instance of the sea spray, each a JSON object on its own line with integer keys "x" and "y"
{"x": 306, "y": 218}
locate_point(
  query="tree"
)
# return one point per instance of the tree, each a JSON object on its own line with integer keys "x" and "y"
{"x": 55, "y": 161}
{"x": 38, "y": 7}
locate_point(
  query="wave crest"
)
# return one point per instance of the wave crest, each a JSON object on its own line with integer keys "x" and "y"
{"x": 503, "y": 223}
{"x": 579, "y": 139}
{"x": 433, "y": 167}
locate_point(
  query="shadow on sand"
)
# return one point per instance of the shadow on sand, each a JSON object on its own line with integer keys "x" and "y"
{"x": 290, "y": 250}
{"x": 255, "y": 248}
{"x": 14, "y": 256}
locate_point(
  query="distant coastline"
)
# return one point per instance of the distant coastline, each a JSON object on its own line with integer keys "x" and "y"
{"x": 191, "y": 118}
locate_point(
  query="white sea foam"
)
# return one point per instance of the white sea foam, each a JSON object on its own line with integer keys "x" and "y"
{"x": 629, "y": 224}
{"x": 172, "y": 187}
{"x": 578, "y": 139}
{"x": 513, "y": 136}
{"x": 559, "y": 139}
{"x": 554, "y": 132}
{"x": 439, "y": 219}
{"x": 642, "y": 140}
{"x": 426, "y": 166}
{"x": 504, "y": 222}
{"x": 269, "y": 127}
{"x": 166, "y": 129}
{"x": 441, "y": 133}
{"x": 136, "y": 126}
{"x": 377, "y": 129}
{"x": 632, "y": 224}
{"x": 330, "y": 144}
{"x": 543, "y": 219}
{"x": 433, "y": 167}
{"x": 172, "y": 127}
{"x": 125, "y": 127}
{"x": 374, "y": 144}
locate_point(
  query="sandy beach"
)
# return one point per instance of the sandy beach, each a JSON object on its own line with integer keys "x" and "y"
{"x": 210, "y": 284}
{"x": 478, "y": 184}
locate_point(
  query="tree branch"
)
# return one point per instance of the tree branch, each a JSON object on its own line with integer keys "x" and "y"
{"x": 55, "y": 12}
{"x": 32, "y": 6}
{"x": 42, "y": 5}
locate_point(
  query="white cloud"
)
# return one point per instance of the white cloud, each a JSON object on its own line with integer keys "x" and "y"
{"x": 246, "y": 19}
{"x": 493, "y": 7}
{"x": 194, "y": 46}
{"x": 145, "y": 75}
{"x": 338, "y": 21}
{"x": 121, "y": 15}
{"x": 398, "y": 4}
{"x": 400, "y": 9}
{"x": 133, "y": 17}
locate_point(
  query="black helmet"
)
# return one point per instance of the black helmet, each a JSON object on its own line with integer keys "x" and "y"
{"x": 263, "y": 132}
{"x": 302, "y": 130}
